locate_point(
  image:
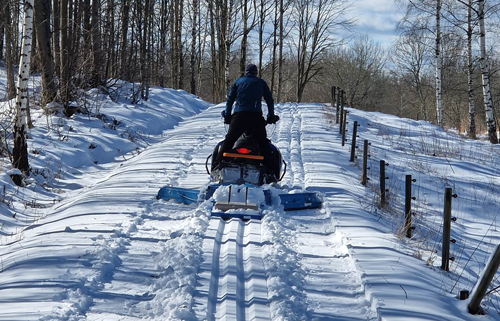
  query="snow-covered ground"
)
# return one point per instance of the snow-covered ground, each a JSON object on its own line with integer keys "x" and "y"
{"x": 87, "y": 239}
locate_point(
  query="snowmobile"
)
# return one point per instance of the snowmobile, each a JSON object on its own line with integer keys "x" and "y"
{"x": 243, "y": 183}
{"x": 244, "y": 164}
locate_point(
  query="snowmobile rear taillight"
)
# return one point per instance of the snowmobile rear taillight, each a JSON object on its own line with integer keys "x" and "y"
{"x": 243, "y": 150}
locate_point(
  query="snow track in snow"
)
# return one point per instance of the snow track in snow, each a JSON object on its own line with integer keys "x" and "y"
{"x": 232, "y": 278}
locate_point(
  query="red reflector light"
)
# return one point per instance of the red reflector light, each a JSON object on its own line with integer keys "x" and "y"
{"x": 243, "y": 150}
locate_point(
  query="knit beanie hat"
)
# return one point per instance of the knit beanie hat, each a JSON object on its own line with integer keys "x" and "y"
{"x": 251, "y": 69}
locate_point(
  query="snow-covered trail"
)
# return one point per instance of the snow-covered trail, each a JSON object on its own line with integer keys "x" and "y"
{"x": 331, "y": 282}
{"x": 125, "y": 256}
{"x": 117, "y": 246}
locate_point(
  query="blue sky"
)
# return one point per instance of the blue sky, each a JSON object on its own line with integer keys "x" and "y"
{"x": 377, "y": 19}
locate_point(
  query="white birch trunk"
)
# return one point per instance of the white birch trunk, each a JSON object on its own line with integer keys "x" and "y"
{"x": 470, "y": 73}
{"x": 485, "y": 69}
{"x": 439, "y": 100}
{"x": 20, "y": 151}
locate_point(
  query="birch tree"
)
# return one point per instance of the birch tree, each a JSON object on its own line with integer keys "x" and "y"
{"x": 470, "y": 72}
{"x": 485, "y": 71}
{"x": 439, "y": 89}
{"x": 417, "y": 18}
{"x": 20, "y": 149}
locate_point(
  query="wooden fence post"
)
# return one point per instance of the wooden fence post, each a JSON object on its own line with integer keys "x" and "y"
{"x": 364, "y": 179}
{"x": 353, "y": 144}
{"x": 480, "y": 289}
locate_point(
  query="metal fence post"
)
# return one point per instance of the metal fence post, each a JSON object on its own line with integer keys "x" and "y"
{"x": 343, "y": 129}
{"x": 341, "y": 112}
{"x": 383, "y": 190}
{"x": 353, "y": 145}
{"x": 365, "y": 162}
{"x": 445, "y": 255}
{"x": 408, "y": 198}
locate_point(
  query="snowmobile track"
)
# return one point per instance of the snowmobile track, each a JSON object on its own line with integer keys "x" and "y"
{"x": 232, "y": 283}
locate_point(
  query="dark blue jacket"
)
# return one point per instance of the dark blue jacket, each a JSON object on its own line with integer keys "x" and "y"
{"x": 246, "y": 95}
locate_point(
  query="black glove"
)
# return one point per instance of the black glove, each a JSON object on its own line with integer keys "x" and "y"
{"x": 227, "y": 118}
{"x": 272, "y": 119}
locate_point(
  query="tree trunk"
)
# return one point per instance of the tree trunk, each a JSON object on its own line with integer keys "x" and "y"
{"x": 42, "y": 21}
{"x": 470, "y": 73}
{"x": 145, "y": 73}
{"x": 228, "y": 42}
{"x": 110, "y": 41}
{"x": 213, "y": 52}
{"x": 56, "y": 48}
{"x": 244, "y": 37}
{"x": 180, "y": 56}
{"x": 96, "y": 45}
{"x": 173, "y": 45}
{"x": 64, "y": 76}
{"x": 9, "y": 56}
{"x": 162, "y": 61}
{"x": 123, "y": 40}
{"x": 262, "y": 21}
{"x": 439, "y": 100}
{"x": 485, "y": 70}
{"x": 280, "y": 53}
{"x": 20, "y": 150}
{"x": 2, "y": 35}
{"x": 274, "y": 62}
{"x": 194, "y": 29}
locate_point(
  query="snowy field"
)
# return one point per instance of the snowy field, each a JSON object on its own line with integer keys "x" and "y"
{"x": 87, "y": 239}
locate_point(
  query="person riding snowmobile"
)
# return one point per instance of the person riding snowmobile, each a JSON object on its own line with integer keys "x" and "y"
{"x": 246, "y": 94}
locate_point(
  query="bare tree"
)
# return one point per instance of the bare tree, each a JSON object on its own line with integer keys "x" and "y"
{"x": 125, "y": 10}
{"x": 470, "y": 72}
{"x": 315, "y": 23}
{"x": 247, "y": 28}
{"x": 439, "y": 86}
{"x": 97, "y": 62}
{"x": 264, "y": 10}
{"x": 56, "y": 32}
{"x": 42, "y": 22}
{"x": 485, "y": 71}
{"x": 9, "y": 44}
{"x": 194, "y": 36}
{"x": 64, "y": 54}
{"x": 20, "y": 149}
{"x": 356, "y": 67}
{"x": 280, "y": 51}
{"x": 411, "y": 56}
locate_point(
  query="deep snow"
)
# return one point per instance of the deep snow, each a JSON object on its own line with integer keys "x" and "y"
{"x": 87, "y": 240}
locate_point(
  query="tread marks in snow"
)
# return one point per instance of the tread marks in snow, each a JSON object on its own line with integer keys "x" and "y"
{"x": 232, "y": 281}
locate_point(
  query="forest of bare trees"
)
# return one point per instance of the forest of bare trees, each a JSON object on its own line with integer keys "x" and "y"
{"x": 443, "y": 66}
